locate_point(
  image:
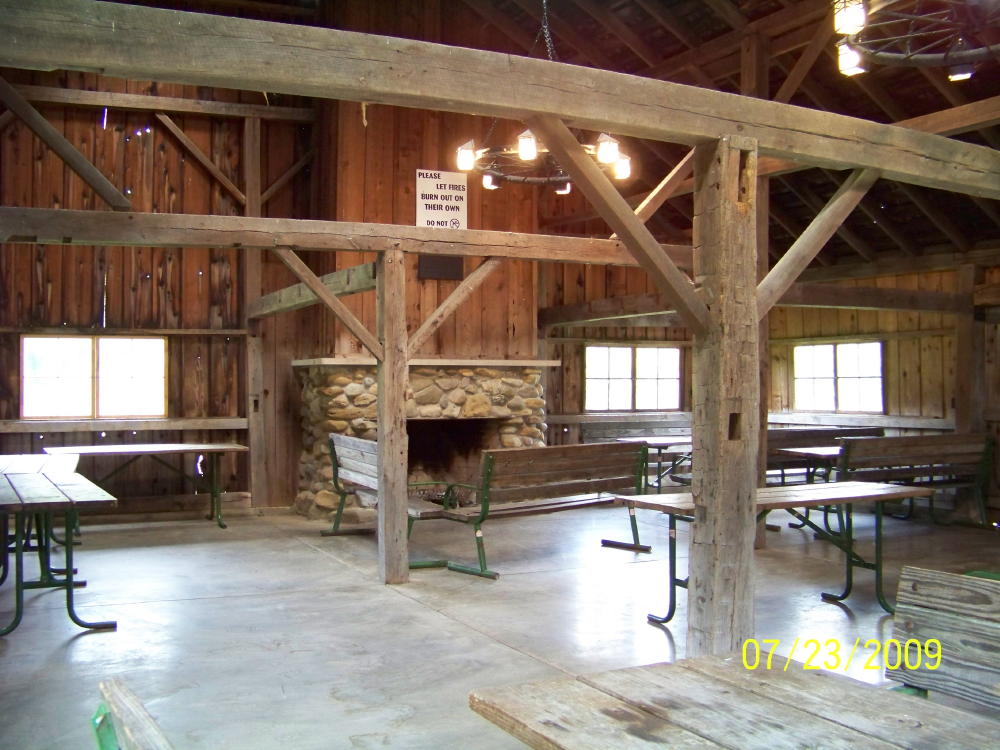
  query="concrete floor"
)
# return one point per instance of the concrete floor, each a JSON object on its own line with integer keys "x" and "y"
{"x": 267, "y": 635}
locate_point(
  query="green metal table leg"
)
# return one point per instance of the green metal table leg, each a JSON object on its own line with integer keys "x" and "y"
{"x": 71, "y": 519}
{"x": 5, "y": 537}
{"x": 879, "y": 593}
{"x": 213, "y": 483}
{"x": 674, "y": 581}
{"x": 18, "y": 574}
{"x": 846, "y": 524}
{"x": 634, "y": 545}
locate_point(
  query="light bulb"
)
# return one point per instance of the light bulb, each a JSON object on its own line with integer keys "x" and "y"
{"x": 623, "y": 168}
{"x": 466, "y": 156}
{"x": 527, "y": 146}
{"x": 607, "y": 149}
{"x": 489, "y": 183}
{"x": 848, "y": 16}
{"x": 565, "y": 189}
{"x": 849, "y": 59}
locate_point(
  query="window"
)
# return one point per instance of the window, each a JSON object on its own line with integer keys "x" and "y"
{"x": 65, "y": 377}
{"x": 621, "y": 378}
{"x": 838, "y": 377}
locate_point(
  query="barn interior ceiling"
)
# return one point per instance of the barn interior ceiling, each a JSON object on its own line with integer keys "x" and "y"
{"x": 712, "y": 44}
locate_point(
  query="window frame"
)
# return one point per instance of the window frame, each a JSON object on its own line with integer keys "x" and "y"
{"x": 634, "y": 347}
{"x": 836, "y": 378}
{"x": 94, "y": 340}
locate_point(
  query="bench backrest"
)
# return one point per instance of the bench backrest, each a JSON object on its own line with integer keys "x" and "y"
{"x": 354, "y": 460}
{"x": 960, "y": 612}
{"x": 879, "y": 459}
{"x": 518, "y": 474}
{"x": 812, "y": 437}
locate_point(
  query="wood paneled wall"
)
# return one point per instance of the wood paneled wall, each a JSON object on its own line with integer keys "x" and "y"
{"x": 89, "y": 289}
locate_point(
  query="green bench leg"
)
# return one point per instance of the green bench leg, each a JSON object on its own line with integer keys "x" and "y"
{"x": 482, "y": 571}
{"x": 104, "y": 728}
{"x": 335, "y": 528}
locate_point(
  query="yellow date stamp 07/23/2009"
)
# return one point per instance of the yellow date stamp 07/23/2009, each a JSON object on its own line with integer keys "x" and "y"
{"x": 832, "y": 654}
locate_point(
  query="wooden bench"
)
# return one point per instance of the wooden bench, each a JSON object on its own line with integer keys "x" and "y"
{"x": 963, "y": 461}
{"x": 962, "y": 614}
{"x": 121, "y": 722}
{"x": 523, "y": 481}
{"x": 786, "y": 467}
{"x": 355, "y": 460}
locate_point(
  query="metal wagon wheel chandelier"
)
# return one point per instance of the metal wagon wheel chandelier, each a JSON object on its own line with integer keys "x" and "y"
{"x": 956, "y": 35}
{"x": 528, "y": 161}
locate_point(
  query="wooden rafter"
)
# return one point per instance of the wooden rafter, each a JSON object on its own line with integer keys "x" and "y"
{"x": 804, "y": 63}
{"x": 287, "y": 176}
{"x": 230, "y": 52}
{"x": 345, "y": 281}
{"x": 66, "y": 151}
{"x": 857, "y": 243}
{"x": 451, "y": 304}
{"x": 45, "y": 226}
{"x": 201, "y": 157}
{"x": 804, "y": 249}
{"x": 328, "y": 298}
{"x": 671, "y": 282}
{"x": 173, "y": 104}
{"x": 662, "y": 192}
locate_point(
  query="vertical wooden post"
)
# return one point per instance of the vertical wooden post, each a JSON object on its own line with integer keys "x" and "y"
{"x": 393, "y": 556}
{"x": 755, "y": 59}
{"x": 260, "y": 455}
{"x": 726, "y": 390}
{"x": 970, "y": 375}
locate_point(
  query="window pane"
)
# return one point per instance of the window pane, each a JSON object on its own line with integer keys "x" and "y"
{"x": 823, "y": 393}
{"x": 596, "y": 394}
{"x": 646, "y": 364}
{"x": 57, "y": 377}
{"x": 670, "y": 362}
{"x": 870, "y": 398}
{"x": 131, "y": 377}
{"x": 848, "y": 394}
{"x": 620, "y": 362}
{"x": 847, "y": 361}
{"x": 645, "y": 393}
{"x": 596, "y": 362}
{"x": 805, "y": 399}
{"x": 870, "y": 359}
{"x": 620, "y": 394}
{"x": 669, "y": 394}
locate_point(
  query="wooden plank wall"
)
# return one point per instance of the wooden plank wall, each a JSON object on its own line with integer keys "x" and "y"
{"x": 141, "y": 288}
{"x": 378, "y": 150}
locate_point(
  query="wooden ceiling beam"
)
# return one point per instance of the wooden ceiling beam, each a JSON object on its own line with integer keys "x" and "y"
{"x": 65, "y": 227}
{"x": 453, "y": 301}
{"x": 139, "y": 42}
{"x": 172, "y": 104}
{"x": 670, "y": 22}
{"x": 66, "y": 151}
{"x": 820, "y": 39}
{"x": 729, "y": 13}
{"x": 670, "y": 280}
{"x": 786, "y": 271}
{"x": 628, "y": 309}
{"x": 857, "y": 243}
{"x": 297, "y": 296}
{"x": 890, "y": 264}
{"x": 881, "y": 219}
{"x": 343, "y": 313}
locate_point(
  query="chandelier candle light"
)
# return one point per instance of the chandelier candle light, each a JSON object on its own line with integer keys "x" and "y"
{"x": 530, "y": 162}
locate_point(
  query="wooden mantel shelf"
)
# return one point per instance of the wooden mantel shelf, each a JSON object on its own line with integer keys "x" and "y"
{"x": 429, "y": 361}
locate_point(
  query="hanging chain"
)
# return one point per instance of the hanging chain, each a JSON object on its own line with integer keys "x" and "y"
{"x": 550, "y": 48}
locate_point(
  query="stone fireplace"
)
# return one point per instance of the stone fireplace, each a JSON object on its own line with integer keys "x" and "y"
{"x": 453, "y": 410}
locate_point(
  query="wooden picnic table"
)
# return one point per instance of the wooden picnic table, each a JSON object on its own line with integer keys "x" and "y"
{"x": 210, "y": 479}
{"x": 817, "y": 457}
{"x": 670, "y": 449}
{"x": 717, "y": 702}
{"x": 791, "y": 498}
{"x": 39, "y": 496}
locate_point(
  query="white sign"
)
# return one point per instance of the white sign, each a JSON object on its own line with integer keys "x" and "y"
{"x": 441, "y": 199}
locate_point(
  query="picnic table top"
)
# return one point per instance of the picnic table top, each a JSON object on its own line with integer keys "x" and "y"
{"x": 146, "y": 448}
{"x": 789, "y": 496}
{"x": 44, "y": 491}
{"x": 720, "y": 702}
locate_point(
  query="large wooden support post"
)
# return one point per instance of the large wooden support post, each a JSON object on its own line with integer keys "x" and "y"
{"x": 970, "y": 373}
{"x": 726, "y": 390}
{"x": 390, "y": 280}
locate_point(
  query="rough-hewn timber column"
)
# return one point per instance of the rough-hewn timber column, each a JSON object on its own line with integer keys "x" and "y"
{"x": 726, "y": 391}
{"x": 393, "y": 557}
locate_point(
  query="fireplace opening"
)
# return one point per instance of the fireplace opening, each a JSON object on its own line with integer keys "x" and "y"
{"x": 448, "y": 450}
